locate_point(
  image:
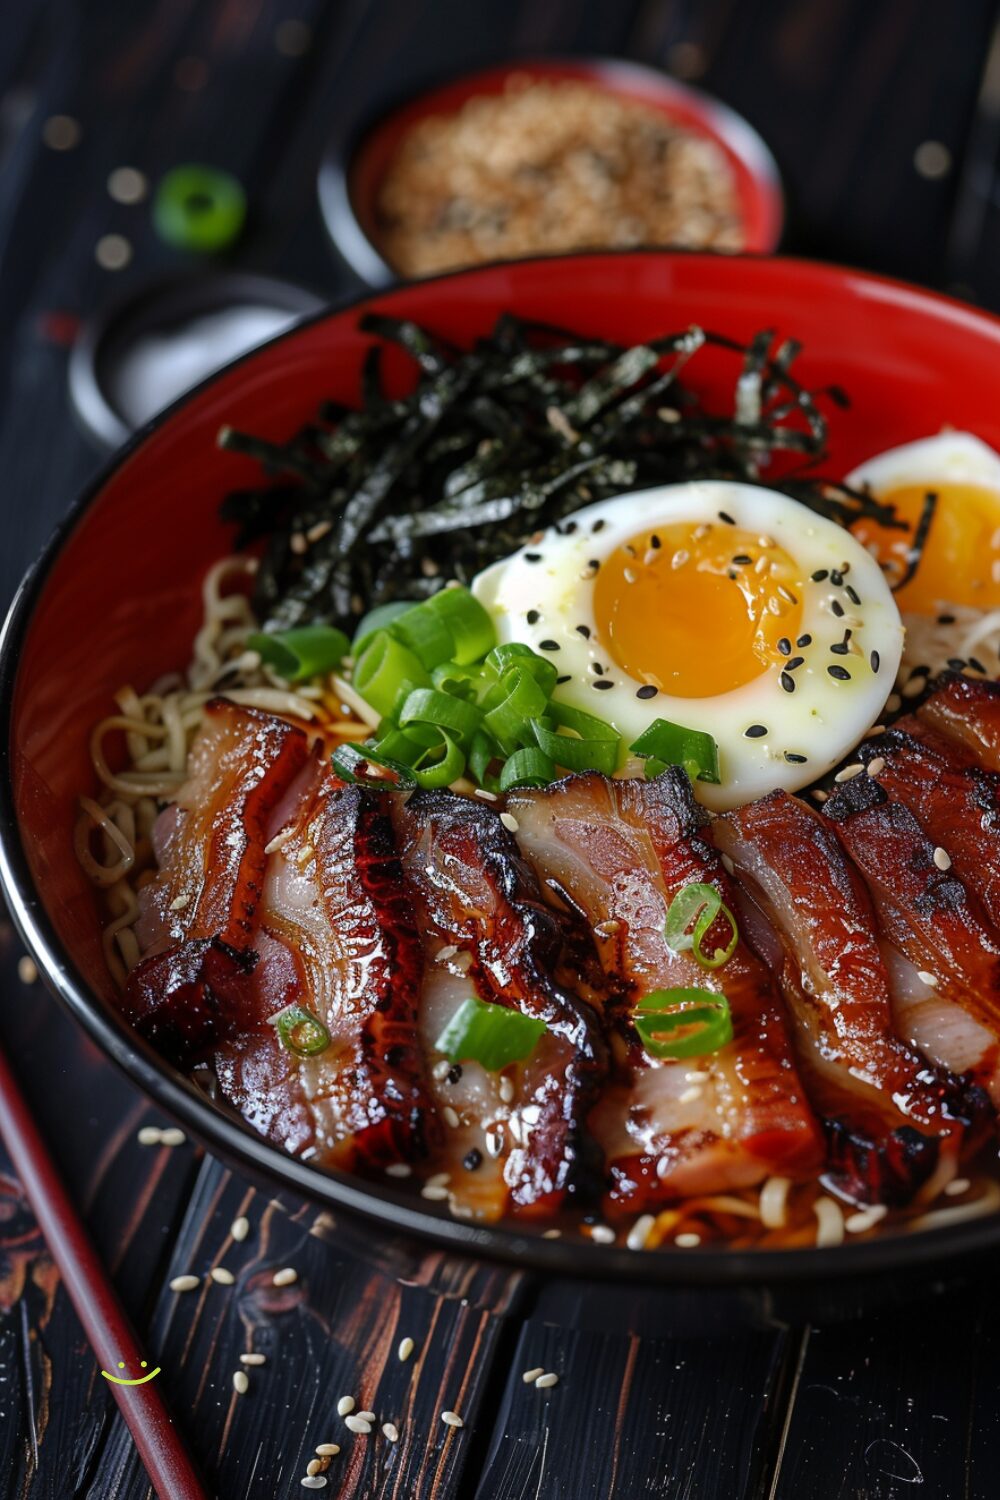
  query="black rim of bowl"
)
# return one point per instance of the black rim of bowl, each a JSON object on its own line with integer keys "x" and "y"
{"x": 363, "y": 256}
{"x": 384, "y": 1207}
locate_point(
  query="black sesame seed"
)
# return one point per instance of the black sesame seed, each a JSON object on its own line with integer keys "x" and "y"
{"x": 836, "y": 578}
{"x": 731, "y": 575}
{"x": 804, "y": 640}
{"x": 583, "y": 630}
{"x": 569, "y": 528}
{"x": 876, "y": 661}
{"x": 603, "y": 682}
{"x": 793, "y": 759}
{"x": 649, "y": 691}
{"x": 594, "y": 563}
{"x": 793, "y": 662}
{"x": 946, "y": 619}
{"x": 655, "y": 542}
{"x": 598, "y": 526}
{"x": 561, "y": 680}
{"x": 785, "y": 646}
{"x": 548, "y": 645}
{"x": 837, "y": 608}
{"x": 742, "y": 560}
{"x": 841, "y": 649}
{"x": 533, "y": 617}
{"x": 977, "y": 665}
{"x": 727, "y": 518}
{"x": 956, "y": 663}
{"x": 819, "y": 576}
{"x": 852, "y": 594}
{"x": 787, "y": 682}
{"x": 472, "y": 1159}
{"x": 755, "y": 731}
{"x": 454, "y": 1073}
{"x": 532, "y": 557}
{"x": 840, "y": 673}
{"x": 595, "y": 666}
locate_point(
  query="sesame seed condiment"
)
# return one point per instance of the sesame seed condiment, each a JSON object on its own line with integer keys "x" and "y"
{"x": 785, "y": 646}
{"x": 794, "y": 759}
{"x": 149, "y": 1135}
{"x": 434, "y": 1194}
{"x": 240, "y": 1228}
{"x": 837, "y": 608}
{"x": 787, "y": 682}
{"x": 548, "y": 645}
{"x": 27, "y": 970}
{"x": 530, "y": 1376}
{"x": 849, "y": 772}
{"x": 866, "y": 1218}
{"x": 957, "y": 1186}
{"x": 328, "y": 1450}
{"x": 452, "y": 1419}
{"x": 391, "y": 1431}
{"x": 942, "y": 858}
{"x": 583, "y": 630}
{"x": 647, "y": 691}
{"x": 852, "y": 594}
{"x": 804, "y": 640}
{"x": 533, "y": 617}
{"x": 315, "y": 1466}
{"x": 285, "y": 1277}
{"x": 253, "y": 1359}
{"x": 724, "y": 516}
{"x": 639, "y": 1233}
{"x": 793, "y": 663}
{"x": 506, "y": 1090}
{"x": 602, "y": 1234}
{"x": 509, "y": 822}
{"x": 840, "y": 674}
{"x": 687, "y": 1241}
{"x": 472, "y": 1160}
{"x": 241, "y": 1382}
{"x": 755, "y": 731}
{"x": 451, "y": 1117}
{"x": 313, "y": 1482}
{"x": 405, "y": 1349}
{"x": 820, "y": 575}
{"x": 367, "y": 1416}
{"x": 877, "y": 765}
{"x": 173, "y": 1136}
{"x": 184, "y": 1283}
{"x": 345, "y": 1406}
{"x": 875, "y": 660}
{"x": 485, "y": 795}
{"x": 603, "y": 682}
{"x": 221, "y": 1276}
{"x": 546, "y": 1382}
{"x": 926, "y": 977}
{"x": 358, "y": 1425}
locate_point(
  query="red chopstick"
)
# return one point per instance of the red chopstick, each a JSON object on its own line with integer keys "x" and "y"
{"x": 170, "y": 1468}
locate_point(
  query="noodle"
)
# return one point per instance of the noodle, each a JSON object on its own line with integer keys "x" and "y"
{"x": 955, "y": 633}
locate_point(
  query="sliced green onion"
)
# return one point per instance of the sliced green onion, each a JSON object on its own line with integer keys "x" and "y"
{"x": 470, "y": 626}
{"x": 379, "y": 618}
{"x": 386, "y": 672}
{"x": 528, "y": 767}
{"x": 426, "y": 634}
{"x": 491, "y": 1035}
{"x": 295, "y": 655}
{"x": 353, "y": 763}
{"x": 510, "y": 721}
{"x": 442, "y": 772}
{"x": 428, "y": 706}
{"x": 299, "y": 1031}
{"x": 461, "y": 682}
{"x": 482, "y": 754}
{"x": 683, "y": 1022}
{"x": 593, "y": 747}
{"x": 514, "y": 654}
{"x": 397, "y": 745}
{"x": 674, "y": 745}
{"x": 701, "y": 905}
{"x": 199, "y": 208}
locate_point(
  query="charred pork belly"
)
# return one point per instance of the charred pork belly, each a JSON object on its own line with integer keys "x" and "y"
{"x": 489, "y": 934}
{"x": 967, "y": 711}
{"x": 619, "y": 852}
{"x": 942, "y": 951}
{"x": 888, "y": 1113}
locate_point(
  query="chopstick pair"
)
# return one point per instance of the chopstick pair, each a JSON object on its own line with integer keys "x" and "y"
{"x": 170, "y": 1467}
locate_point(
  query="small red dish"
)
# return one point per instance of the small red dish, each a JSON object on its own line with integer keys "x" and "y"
{"x": 114, "y": 599}
{"x": 354, "y": 164}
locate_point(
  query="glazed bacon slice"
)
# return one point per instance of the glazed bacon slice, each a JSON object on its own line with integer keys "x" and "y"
{"x": 488, "y": 932}
{"x": 967, "y": 711}
{"x": 619, "y": 851}
{"x": 337, "y": 934}
{"x": 889, "y": 1115}
{"x": 943, "y": 952}
{"x": 199, "y": 913}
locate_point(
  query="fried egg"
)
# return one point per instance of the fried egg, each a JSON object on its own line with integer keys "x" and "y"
{"x": 723, "y": 607}
{"x": 961, "y": 558}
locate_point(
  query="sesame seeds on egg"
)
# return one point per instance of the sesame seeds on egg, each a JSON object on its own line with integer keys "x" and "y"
{"x": 782, "y": 647}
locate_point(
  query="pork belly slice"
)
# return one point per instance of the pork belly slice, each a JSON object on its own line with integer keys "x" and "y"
{"x": 888, "y": 1113}
{"x": 620, "y": 851}
{"x": 199, "y": 912}
{"x": 937, "y": 926}
{"x": 488, "y": 932}
{"x": 953, "y": 799}
{"x": 967, "y": 711}
{"x": 336, "y": 934}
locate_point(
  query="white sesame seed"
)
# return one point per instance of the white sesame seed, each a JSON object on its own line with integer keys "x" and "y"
{"x": 366, "y": 1416}
{"x": 494, "y": 1143}
{"x": 451, "y": 1117}
{"x": 239, "y": 1229}
{"x": 663, "y": 1167}
{"x": 184, "y": 1283}
{"x": 441, "y": 1070}
{"x": 849, "y": 772}
{"x": 506, "y": 1090}
{"x": 313, "y": 1482}
{"x": 172, "y": 1137}
{"x": 530, "y": 1376}
{"x": 439, "y": 1179}
{"x": 552, "y": 1234}
{"x": 689, "y": 1095}
{"x": 639, "y": 1233}
{"x": 405, "y": 1349}
{"x": 821, "y": 796}
{"x": 279, "y": 841}
{"x": 253, "y": 1359}
{"x": 957, "y": 1186}
{"x": 27, "y": 970}
{"x": 391, "y": 1431}
{"x": 328, "y": 1450}
{"x": 925, "y": 977}
{"x": 876, "y": 766}
{"x": 866, "y": 1218}
{"x": 150, "y": 1135}
{"x": 285, "y": 1277}
{"x": 399, "y": 1169}
{"x": 486, "y": 796}
{"x": 602, "y": 1234}
{"x": 113, "y": 252}
{"x": 698, "y": 1075}
{"x": 942, "y": 858}
{"x": 434, "y": 1193}
{"x": 314, "y": 1466}
{"x": 241, "y": 1382}
{"x": 452, "y": 1419}
{"x": 179, "y": 903}
{"x": 345, "y": 1406}
{"x": 443, "y": 954}
{"x": 631, "y": 576}
{"x": 358, "y": 1425}
{"x": 914, "y": 687}
{"x": 687, "y": 1241}
{"x": 509, "y": 822}
{"x": 221, "y": 1276}
{"x": 893, "y": 702}
{"x": 546, "y": 1382}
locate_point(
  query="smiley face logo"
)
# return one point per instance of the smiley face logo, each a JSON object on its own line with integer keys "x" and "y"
{"x": 142, "y": 1378}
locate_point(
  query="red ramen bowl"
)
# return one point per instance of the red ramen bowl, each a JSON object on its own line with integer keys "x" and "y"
{"x": 355, "y": 163}
{"x": 115, "y": 599}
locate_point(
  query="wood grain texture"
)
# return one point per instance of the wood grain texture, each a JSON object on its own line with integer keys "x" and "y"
{"x": 670, "y": 1397}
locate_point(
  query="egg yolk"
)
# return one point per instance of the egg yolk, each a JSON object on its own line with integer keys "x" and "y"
{"x": 698, "y": 610}
{"x": 961, "y": 557}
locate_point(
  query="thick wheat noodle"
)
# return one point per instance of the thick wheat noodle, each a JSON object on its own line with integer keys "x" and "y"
{"x": 120, "y": 839}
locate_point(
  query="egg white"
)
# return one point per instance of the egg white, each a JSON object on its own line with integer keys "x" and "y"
{"x": 948, "y": 458}
{"x": 552, "y": 578}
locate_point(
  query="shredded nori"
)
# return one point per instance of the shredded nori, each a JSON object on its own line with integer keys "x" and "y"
{"x": 495, "y": 443}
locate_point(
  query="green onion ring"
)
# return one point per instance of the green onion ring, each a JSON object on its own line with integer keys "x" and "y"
{"x": 662, "y": 1014}
{"x": 700, "y": 904}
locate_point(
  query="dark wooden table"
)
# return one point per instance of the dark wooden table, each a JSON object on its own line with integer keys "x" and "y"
{"x": 671, "y": 1400}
